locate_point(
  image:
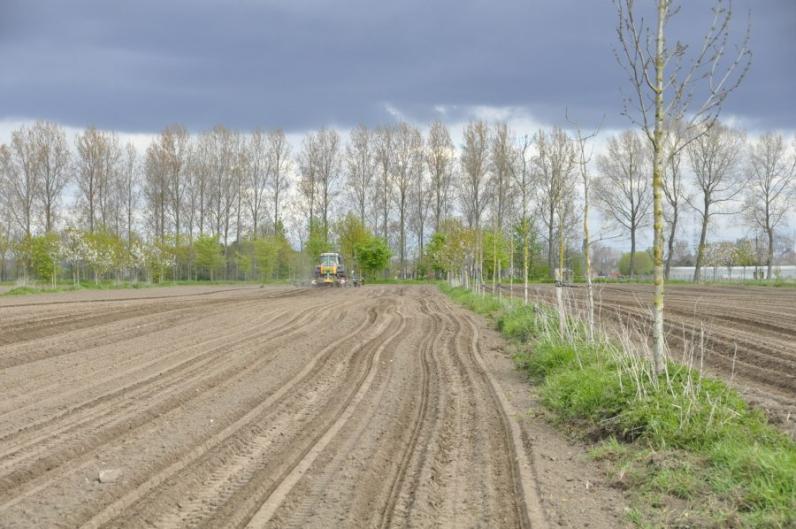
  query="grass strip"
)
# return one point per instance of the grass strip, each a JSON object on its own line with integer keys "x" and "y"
{"x": 686, "y": 448}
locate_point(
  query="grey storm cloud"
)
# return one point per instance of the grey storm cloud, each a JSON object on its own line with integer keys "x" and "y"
{"x": 137, "y": 66}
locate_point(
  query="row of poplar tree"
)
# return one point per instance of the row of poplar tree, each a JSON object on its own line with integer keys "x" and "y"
{"x": 233, "y": 205}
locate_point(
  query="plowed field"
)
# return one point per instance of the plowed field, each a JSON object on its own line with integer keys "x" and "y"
{"x": 283, "y": 407}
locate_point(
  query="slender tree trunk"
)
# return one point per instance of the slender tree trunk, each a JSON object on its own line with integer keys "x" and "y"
{"x": 276, "y": 208}
{"x": 511, "y": 266}
{"x": 525, "y": 256}
{"x": 632, "y": 252}
{"x": 770, "y": 257}
{"x": 91, "y": 207}
{"x": 560, "y": 283}
{"x": 670, "y": 243}
{"x": 587, "y": 255}
{"x": 550, "y": 258}
{"x": 657, "y": 189}
{"x": 402, "y": 244}
{"x": 703, "y": 235}
{"x": 494, "y": 262}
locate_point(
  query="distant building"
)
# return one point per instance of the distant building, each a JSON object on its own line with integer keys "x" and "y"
{"x": 733, "y": 273}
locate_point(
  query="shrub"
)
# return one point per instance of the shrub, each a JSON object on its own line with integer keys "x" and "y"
{"x": 642, "y": 264}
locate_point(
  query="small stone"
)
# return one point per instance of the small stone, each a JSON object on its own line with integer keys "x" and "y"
{"x": 109, "y": 475}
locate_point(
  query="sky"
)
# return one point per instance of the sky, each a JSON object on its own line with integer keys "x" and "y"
{"x": 301, "y": 64}
{"x": 136, "y": 67}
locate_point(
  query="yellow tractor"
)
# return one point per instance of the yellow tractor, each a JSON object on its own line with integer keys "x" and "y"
{"x": 330, "y": 271}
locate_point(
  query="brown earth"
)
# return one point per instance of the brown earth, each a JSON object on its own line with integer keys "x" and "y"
{"x": 746, "y": 335}
{"x": 276, "y": 407}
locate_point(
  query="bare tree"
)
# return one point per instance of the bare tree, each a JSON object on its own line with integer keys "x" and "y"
{"x": 156, "y": 190}
{"x": 385, "y": 157}
{"x": 360, "y": 167}
{"x": 501, "y": 161}
{"x": 279, "y": 163}
{"x": 175, "y": 145}
{"x": 223, "y": 161}
{"x": 20, "y": 178}
{"x": 407, "y": 172}
{"x": 523, "y": 180}
{"x": 554, "y": 163}
{"x": 201, "y": 177}
{"x": 502, "y": 158}
{"x": 714, "y": 158}
{"x": 107, "y": 195}
{"x": 660, "y": 95}
{"x": 422, "y": 192}
{"x": 440, "y": 155}
{"x": 772, "y": 190}
{"x": 475, "y": 193}
{"x": 583, "y": 166}
{"x": 673, "y": 188}
{"x": 129, "y": 188}
{"x": 257, "y": 176}
{"x": 54, "y": 158}
{"x": 328, "y": 173}
{"x": 623, "y": 190}
{"x": 98, "y": 158}
{"x": 308, "y": 164}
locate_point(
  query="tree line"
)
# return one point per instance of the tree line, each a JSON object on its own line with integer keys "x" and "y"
{"x": 226, "y": 204}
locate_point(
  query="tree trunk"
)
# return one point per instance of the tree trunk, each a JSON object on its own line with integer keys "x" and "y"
{"x": 49, "y": 216}
{"x": 550, "y": 258}
{"x": 657, "y": 189}
{"x": 632, "y": 252}
{"x": 670, "y": 243}
{"x": 701, "y": 248}
{"x": 511, "y": 268}
{"x": 587, "y": 257}
{"x": 525, "y": 253}
{"x": 770, "y": 257}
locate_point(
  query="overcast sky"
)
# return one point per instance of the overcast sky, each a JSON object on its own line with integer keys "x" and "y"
{"x": 301, "y": 64}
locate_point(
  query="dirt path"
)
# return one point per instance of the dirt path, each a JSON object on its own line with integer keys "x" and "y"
{"x": 281, "y": 407}
{"x": 744, "y": 334}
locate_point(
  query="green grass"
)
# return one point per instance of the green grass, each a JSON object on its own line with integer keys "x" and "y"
{"x": 688, "y": 449}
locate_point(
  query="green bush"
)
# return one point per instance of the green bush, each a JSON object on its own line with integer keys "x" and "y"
{"x": 373, "y": 255}
{"x": 642, "y": 264}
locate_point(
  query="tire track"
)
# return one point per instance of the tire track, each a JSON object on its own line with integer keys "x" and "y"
{"x": 185, "y": 345}
{"x": 192, "y": 346}
{"x": 164, "y": 319}
{"x": 194, "y": 454}
{"x": 288, "y": 480}
{"x": 146, "y": 298}
{"x": 528, "y": 506}
{"x": 69, "y": 455}
{"x": 347, "y": 408}
{"x": 409, "y": 451}
{"x": 161, "y": 384}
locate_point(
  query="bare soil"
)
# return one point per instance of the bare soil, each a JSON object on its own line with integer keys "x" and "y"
{"x": 746, "y": 335}
{"x": 276, "y": 407}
